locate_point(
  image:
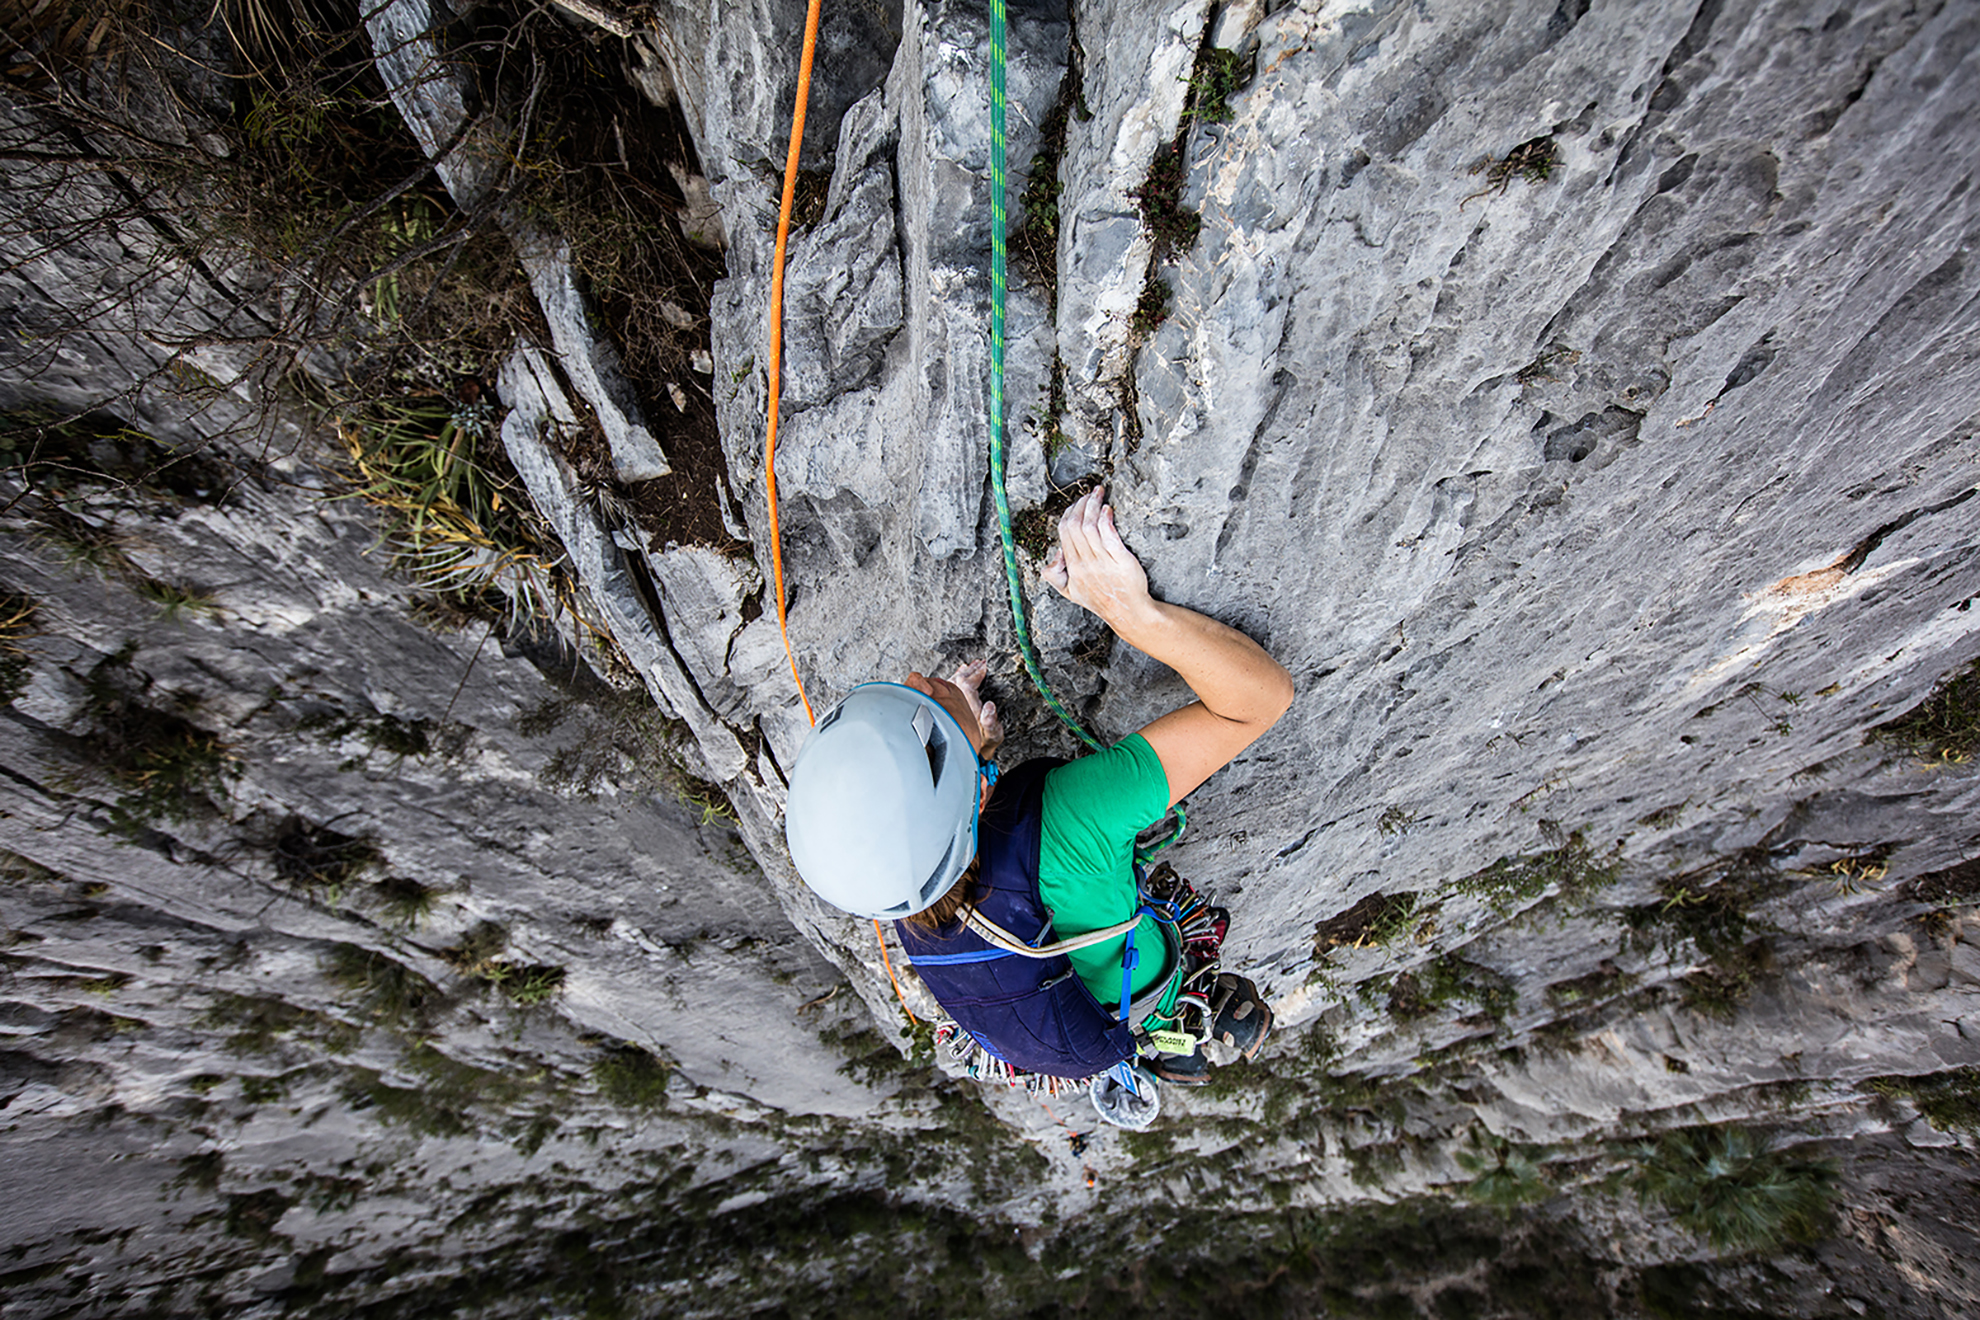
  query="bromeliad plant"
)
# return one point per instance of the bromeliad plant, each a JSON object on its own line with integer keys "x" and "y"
{"x": 462, "y": 529}
{"x": 1730, "y": 1187}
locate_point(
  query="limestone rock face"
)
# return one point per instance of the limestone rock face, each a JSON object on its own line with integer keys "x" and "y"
{"x": 1579, "y": 400}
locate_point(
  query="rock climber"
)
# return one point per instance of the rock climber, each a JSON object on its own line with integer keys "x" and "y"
{"x": 1000, "y": 887}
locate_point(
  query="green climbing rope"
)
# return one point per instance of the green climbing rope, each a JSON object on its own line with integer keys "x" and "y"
{"x": 999, "y": 258}
{"x": 999, "y": 266}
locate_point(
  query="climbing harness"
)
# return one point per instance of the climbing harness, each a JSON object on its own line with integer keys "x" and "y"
{"x": 1175, "y": 1018}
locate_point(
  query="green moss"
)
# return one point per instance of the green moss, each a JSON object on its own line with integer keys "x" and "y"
{"x": 264, "y": 1090}
{"x": 260, "y": 1024}
{"x": 1950, "y": 1101}
{"x": 1605, "y": 982}
{"x": 253, "y": 1215}
{"x": 1374, "y": 1164}
{"x": 202, "y": 1170}
{"x": 1570, "y": 866}
{"x": 165, "y": 767}
{"x": 630, "y": 1077}
{"x": 1719, "y": 988}
{"x": 1945, "y": 727}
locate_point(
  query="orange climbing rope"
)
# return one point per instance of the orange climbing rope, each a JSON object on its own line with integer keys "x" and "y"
{"x": 775, "y": 371}
{"x": 888, "y": 964}
{"x": 777, "y": 339}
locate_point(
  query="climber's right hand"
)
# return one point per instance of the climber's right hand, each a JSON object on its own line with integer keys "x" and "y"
{"x": 1093, "y": 567}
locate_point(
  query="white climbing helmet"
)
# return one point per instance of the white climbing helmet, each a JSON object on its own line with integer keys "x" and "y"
{"x": 881, "y": 818}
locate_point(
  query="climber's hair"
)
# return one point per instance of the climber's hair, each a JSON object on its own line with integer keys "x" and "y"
{"x": 947, "y": 910}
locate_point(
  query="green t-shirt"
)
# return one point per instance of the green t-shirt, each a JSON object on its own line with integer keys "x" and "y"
{"x": 1094, "y": 807}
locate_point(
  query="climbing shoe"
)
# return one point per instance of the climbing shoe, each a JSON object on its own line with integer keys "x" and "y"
{"x": 1239, "y": 1016}
{"x": 1180, "y": 1069}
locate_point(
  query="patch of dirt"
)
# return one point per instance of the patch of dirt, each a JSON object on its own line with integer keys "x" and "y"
{"x": 614, "y": 177}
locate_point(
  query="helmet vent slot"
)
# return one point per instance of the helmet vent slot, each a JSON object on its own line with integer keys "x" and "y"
{"x": 932, "y": 742}
{"x": 933, "y": 889}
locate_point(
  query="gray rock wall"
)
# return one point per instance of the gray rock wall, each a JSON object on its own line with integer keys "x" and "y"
{"x": 1599, "y": 517}
{"x": 1526, "y": 483}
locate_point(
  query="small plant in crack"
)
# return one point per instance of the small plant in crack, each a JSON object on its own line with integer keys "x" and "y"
{"x": 477, "y": 957}
{"x": 1943, "y": 729}
{"x": 1395, "y": 820}
{"x": 1533, "y": 160}
{"x": 1152, "y": 310}
{"x": 1172, "y": 228}
{"x": 1216, "y": 77}
{"x": 387, "y": 990}
{"x": 168, "y": 768}
{"x": 313, "y": 856}
{"x": 17, "y": 624}
{"x": 174, "y": 601}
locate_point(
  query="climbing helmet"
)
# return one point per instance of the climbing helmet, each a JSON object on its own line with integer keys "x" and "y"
{"x": 881, "y": 817}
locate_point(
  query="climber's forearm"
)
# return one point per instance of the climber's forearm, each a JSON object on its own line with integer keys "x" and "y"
{"x": 1231, "y": 674}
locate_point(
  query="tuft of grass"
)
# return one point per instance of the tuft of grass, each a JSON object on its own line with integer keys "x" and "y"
{"x": 168, "y": 768}
{"x": 318, "y": 857}
{"x": 528, "y": 984}
{"x": 1729, "y": 1187}
{"x": 405, "y": 902}
{"x": 1504, "y": 1175}
{"x": 1950, "y": 1101}
{"x": 1943, "y": 729}
{"x": 386, "y": 989}
{"x": 631, "y": 1077}
{"x": 1216, "y": 77}
{"x": 17, "y": 624}
{"x": 477, "y": 957}
{"x": 174, "y": 601}
{"x": 1570, "y": 866}
{"x": 460, "y": 521}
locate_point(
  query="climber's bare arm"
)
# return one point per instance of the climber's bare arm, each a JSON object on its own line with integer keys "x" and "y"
{"x": 1241, "y": 691}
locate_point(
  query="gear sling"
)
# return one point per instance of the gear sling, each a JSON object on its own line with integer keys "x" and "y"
{"x": 1015, "y": 994}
